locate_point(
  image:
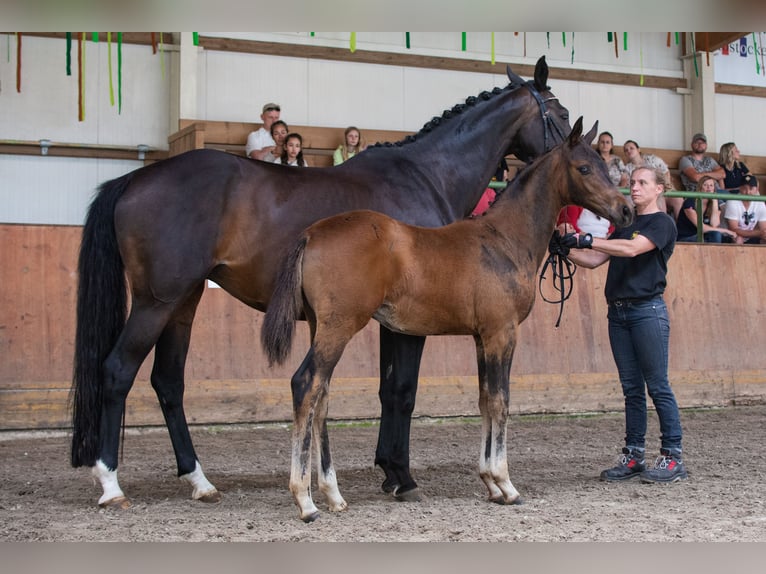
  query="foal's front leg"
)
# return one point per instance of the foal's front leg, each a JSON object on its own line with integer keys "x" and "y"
{"x": 494, "y": 373}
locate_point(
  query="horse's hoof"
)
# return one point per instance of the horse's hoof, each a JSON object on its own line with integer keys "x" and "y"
{"x": 411, "y": 495}
{"x": 389, "y": 486}
{"x": 119, "y": 503}
{"x": 211, "y": 497}
{"x": 516, "y": 500}
{"x": 309, "y": 518}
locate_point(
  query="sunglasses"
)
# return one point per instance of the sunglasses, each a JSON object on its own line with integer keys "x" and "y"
{"x": 748, "y": 217}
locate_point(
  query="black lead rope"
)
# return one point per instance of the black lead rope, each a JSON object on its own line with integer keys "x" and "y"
{"x": 563, "y": 272}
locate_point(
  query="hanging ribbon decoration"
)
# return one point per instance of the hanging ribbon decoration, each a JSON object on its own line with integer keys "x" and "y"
{"x": 154, "y": 43}
{"x": 624, "y": 41}
{"x": 678, "y": 38}
{"x": 564, "y": 39}
{"x": 493, "y": 47}
{"x": 694, "y": 55}
{"x": 525, "y": 44}
{"x": 616, "y": 48}
{"x": 195, "y": 38}
{"x": 109, "y": 58}
{"x": 707, "y": 48}
{"x": 407, "y": 40}
{"x": 18, "y": 62}
{"x": 755, "y": 52}
{"x": 119, "y": 72}
{"x": 80, "y": 79}
{"x": 352, "y": 42}
{"x": 162, "y": 56}
{"x": 548, "y": 38}
{"x": 8, "y": 45}
{"x": 68, "y": 53}
{"x": 609, "y": 37}
{"x": 668, "y": 41}
{"x": 464, "y": 40}
{"x": 572, "y": 60}
{"x": 763, "y": 68}
{"x": 641, "y": 59}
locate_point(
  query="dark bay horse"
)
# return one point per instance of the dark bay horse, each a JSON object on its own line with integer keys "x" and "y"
{"x": 473, "y": 277}
{"x": 169, "y": 226}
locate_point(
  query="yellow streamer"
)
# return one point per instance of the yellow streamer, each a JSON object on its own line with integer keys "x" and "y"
{"x": 493, "y": 48}
{"x": 352, "y": 42}
{"x": 162, "y": 56}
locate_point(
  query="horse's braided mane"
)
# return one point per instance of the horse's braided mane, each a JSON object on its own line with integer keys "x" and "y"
{"x": 457, "y": 109}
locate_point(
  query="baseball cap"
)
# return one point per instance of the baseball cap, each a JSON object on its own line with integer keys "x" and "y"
{"x": 271, "y": 106}
{"x": 699, "y": 136}
{"x": 750, "y": 180}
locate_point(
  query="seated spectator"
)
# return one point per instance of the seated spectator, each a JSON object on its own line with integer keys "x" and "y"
{"x": 747, "y": 218}
{"x": 634, "y": 158}
{"x": 696, "y": 165}
{"x": 576, "y": 219}
{"x": 711, "y": 218}
{"x": 279, "y": 132}
{"x": 352, "y": 145}
{"x": 614, "y": 164}
{"x": 260, "y": 142}
{"x": 293, "y": 153}
{"x": 733, "y": 167}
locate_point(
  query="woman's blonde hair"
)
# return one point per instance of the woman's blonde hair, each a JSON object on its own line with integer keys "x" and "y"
{"x": 344, "y": 146}
{"x": 726, "y": 155}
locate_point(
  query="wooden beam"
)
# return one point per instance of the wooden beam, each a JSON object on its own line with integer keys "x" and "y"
{"x": 711, "y": 41}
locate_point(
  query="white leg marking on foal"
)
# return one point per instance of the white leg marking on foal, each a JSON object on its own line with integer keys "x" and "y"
{"x": 200, "y": 485}
{"x": 108, "y": 480}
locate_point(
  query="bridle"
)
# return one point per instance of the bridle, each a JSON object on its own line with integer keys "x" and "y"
{"x": 545, "y": 115}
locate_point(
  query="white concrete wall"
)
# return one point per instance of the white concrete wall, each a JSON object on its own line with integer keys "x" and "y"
{"x": 234, "y": 86}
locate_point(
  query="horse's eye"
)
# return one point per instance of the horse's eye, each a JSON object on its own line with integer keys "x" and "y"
{"x": 565, "y": 116}
{"x": 584, "y": 169}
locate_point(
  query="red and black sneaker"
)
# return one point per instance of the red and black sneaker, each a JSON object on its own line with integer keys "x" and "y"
{"x": 631, "y": 464}
{"x": 667, "y": 468}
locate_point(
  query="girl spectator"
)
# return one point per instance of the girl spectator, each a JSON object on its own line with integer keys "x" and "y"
{"x": 711, "y": 217}
{"x": 293, "y": 152}
{"x": 352, "y": 145}
{"x": 735, "y": 169}
{"x": 614, "y": 164}
{"x": 279, "y": 132}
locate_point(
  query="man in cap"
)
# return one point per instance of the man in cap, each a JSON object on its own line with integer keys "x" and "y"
{"x": 747, "y": 218}
{"x": 697, "y": 164}
{"x": 260, "y": 143}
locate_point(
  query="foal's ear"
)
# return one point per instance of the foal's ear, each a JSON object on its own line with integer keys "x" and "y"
{"x": 574, "y": 136}
{"x": 541, "y": 74}
{"x": 515, "y": 79}
{"x": 591, "y": 134}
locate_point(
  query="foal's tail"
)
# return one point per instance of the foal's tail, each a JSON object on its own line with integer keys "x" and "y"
{"x": 285, "y": 308}
{"x": 101, "y": 307}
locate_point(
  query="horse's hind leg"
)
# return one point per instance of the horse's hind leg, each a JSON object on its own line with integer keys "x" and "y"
{"x": 399, "y": 366}
{"x": 120, "y": 368}
{"x": 168, "y": 383}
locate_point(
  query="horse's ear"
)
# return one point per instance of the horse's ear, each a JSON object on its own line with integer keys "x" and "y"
{"x": 574, "y": 137}
{"x": 541, "y": 74}
{"x": 515, "y": 79}
{"x": 591, "y": 134}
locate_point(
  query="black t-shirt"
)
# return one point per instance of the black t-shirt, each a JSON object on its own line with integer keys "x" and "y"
{"x": 642, "y": 276}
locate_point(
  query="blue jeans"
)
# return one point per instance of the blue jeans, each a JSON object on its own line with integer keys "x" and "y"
{"x": 639, "y": 332}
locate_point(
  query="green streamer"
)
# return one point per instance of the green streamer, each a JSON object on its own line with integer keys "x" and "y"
{"x": 119, "y": 72}
{"x": 572, "y": 62}
{"x": 311, "y": 34}
{"x": 548, "y": 37}
{"x": 678, "y": 36}
{"x": 608, "y": 36}
{"x": 755, "y": 52}
{"x": 68, "y": 53}
{"x": 109, "y": 58}
{"x": 195, "y": 38}
{"x": 95, "y": 36}
{"x": 564, "y": 39}
{"x": 624, "y": 41}
{"x": 464, "y": 40}
{"x": 352, "y": 42}
{"x": 407, "y": 40}
{"x": 694, "y": 55}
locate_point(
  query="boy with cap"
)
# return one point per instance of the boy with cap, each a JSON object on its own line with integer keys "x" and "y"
{"x": 747, "y": 218}
{"x": 260, "y": 143}
{"x": 697, "y": 164}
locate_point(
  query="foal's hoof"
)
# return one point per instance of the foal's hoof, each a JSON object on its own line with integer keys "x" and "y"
{"x": 311, "y": 517}
{"x": 118, "y": 503}
{"x": 211, "y": 497}
{"x": 516, "y": 500}
{"x": 411, "y": 495}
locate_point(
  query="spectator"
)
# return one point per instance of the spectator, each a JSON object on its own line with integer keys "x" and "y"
{"x": 747, "y": 218}
{"x": 614, "y": 164}
{"x": 260, "y": 142}
{"x": 696, "y": 165}
{"x": 634, "y": 158}
{"x": 279, "y": 132}
{"x": 733, "y": 167}
{"x": 293, "y": 153}
{"x": 489, "y": 195}
{"x": 352, "y": 145}
{"x": 711, "y": 218}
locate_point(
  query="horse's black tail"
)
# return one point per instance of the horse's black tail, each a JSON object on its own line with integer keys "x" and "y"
{"x": 101, "y": 308}
{"x": 285, "y": 308}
